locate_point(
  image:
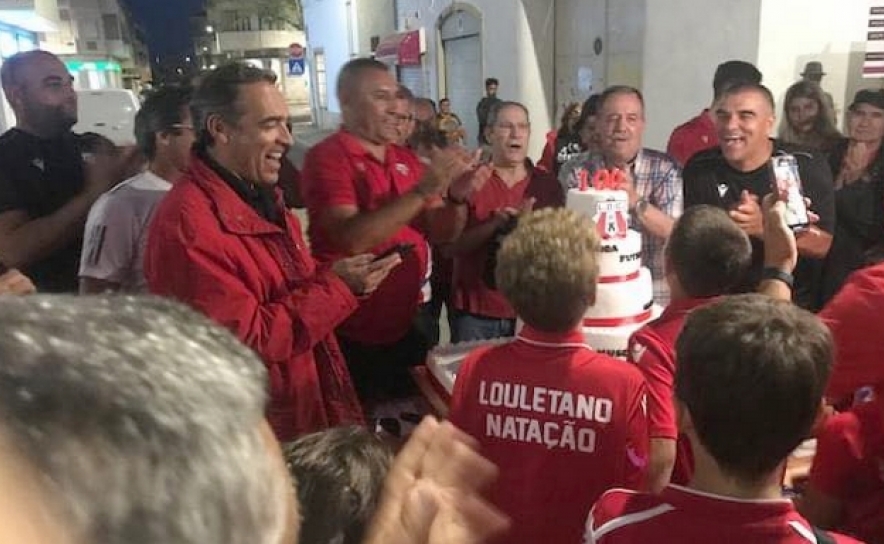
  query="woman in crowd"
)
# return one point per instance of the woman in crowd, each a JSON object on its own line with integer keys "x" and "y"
{"x": 857, "y": 164}
{"x": 807, "y": 118}
{"x": 565, "y": 143}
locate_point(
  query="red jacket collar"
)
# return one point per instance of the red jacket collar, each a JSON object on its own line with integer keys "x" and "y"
{"x": 234, "y": 215}
{"x": 686, "y": 305}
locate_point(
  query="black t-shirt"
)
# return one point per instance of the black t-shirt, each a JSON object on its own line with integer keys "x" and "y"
{"x": 38, "y": 177}
{"x": 859, "y": 207}
{"x": 709, "y": 179}
{"x": 568, "y": 146}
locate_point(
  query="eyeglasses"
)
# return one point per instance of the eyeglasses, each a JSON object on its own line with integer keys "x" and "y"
{"x": 180, "y": 126}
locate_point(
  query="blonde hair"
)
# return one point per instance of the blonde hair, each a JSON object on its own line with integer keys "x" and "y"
{"x": 547, "y": 268}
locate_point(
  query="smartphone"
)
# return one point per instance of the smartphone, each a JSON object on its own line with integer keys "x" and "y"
{"x": 787, "y": 180}
{"x": 401, "y": 249}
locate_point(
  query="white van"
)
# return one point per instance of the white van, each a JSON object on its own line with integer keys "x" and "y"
{"x": 109, "y": 112}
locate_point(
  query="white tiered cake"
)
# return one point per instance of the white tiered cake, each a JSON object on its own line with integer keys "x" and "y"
{"x": 624, "y": 293}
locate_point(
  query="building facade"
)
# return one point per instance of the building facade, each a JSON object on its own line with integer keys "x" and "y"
{"x": 229, "y": 30}
{"x": 549, "y": 53}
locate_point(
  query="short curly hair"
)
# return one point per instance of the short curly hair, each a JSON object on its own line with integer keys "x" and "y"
{"x": 548, "y": 267}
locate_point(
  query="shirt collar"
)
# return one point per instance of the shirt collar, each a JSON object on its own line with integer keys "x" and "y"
{"x": 687, "y": 304}
{"x": 573, "y": 336}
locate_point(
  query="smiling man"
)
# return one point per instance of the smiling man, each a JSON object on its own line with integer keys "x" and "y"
{"x": 365, "y": 193}
{"x": 223, "y": 242}
{"x": 736, "y": 175}
{"x": 652, "y": 180}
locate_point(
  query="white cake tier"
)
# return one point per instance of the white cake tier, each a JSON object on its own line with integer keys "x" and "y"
{"x": 608, "y": 209}
{"x": 613, "y": 341}
{"x": 620, "y": 258}
{"x": 621, "y": 302}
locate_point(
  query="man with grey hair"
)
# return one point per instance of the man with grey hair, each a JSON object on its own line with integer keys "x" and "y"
{"x": 133, "y": 421}
{"x": 223, "y": 242}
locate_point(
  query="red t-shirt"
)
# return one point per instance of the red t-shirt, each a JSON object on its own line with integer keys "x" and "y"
{"x": 652, "y": 349}
{"x": 339, "y": 171}
{"x": 696, "y": 135}
{"x": 849, "y": 466}
{"x": 681, "y": 515}
{"x": 854, "y": 315}
{"x": 562, "y": 423}
{"x": 470, "y": 292}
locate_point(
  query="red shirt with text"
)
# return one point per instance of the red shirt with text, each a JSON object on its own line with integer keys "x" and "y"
{"x": 562, "y": 422}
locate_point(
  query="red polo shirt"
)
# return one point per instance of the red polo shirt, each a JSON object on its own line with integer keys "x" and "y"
{"x": 652, "y": 348}
{"x": 562, "y": 422}
{"x": 696, "y": 135}
{"x": 339, "y": 171}
{"x": 849, "y": 466}
{"x": 854, "y": 315}
{"x": 681, "y": 515}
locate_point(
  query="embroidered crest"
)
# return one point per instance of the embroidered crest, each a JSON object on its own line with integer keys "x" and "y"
{"x": 722, "y": 190}
{"x": 402, "y": 168}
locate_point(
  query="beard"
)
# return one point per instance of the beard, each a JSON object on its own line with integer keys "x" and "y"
{"x": 50, "y": 120}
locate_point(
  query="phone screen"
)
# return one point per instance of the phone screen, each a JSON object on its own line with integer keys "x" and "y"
{"x": 786, "y": 179}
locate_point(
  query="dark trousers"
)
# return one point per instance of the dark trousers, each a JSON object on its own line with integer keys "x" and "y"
{"x": 381, "y": 372}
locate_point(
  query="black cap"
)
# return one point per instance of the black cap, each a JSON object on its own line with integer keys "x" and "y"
{"x": 872, "y": 97}
{"x": 733, "y": 72}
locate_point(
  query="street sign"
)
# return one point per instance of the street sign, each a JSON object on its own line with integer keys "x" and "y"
{"x": 296, "y": 67}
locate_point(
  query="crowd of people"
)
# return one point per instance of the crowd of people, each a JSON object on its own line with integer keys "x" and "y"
{"x": 261, "y": 393}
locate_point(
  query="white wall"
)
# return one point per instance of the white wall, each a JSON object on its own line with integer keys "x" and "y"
{"x": 327, "y": 28}
{"x": 376, "y": 18}
{"x": 684, "y": 42}
{"x": 830, "y": 31}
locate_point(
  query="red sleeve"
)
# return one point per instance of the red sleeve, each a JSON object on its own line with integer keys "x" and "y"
{"x": 658, "y": 368}
{"x": 328, "y": 178}
{"x": 854, "y": 317}
{"x": 837, "y": 456}
{"x": 637, "y": 454}
{"x": 678, "y": 148}
{"x": 547, "y": 160}
{"x": 190, "y": 264}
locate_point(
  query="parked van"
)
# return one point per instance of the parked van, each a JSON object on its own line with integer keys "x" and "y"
{"x": 109, "y": 112}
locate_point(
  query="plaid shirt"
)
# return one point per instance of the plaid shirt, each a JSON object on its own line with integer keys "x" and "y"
{"x": 657, "y": 179}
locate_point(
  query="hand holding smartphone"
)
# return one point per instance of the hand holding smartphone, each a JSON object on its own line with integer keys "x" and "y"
{"x": 402, "y": 249}
{"x": 786, "y": 184}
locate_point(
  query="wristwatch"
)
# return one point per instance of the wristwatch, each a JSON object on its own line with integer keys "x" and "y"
{"x": 772, "y": 273}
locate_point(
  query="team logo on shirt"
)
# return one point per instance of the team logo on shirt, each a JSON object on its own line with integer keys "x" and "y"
{"x": 402, "y": 168}
{"x": 637, "y": 460}
{"x": 722, "y": 189}
{"x": 39, "y": 164}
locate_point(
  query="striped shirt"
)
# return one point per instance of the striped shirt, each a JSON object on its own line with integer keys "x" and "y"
{"x": 658, "y": 180}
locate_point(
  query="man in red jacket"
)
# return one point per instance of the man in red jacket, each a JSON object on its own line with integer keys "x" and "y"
{"x": 223, "y": 242}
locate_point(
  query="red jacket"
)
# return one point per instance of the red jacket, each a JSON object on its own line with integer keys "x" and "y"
{"x": 211, "y": 250}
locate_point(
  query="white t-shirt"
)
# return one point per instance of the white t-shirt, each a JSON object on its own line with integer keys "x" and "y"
{"x": 116, "y": 232}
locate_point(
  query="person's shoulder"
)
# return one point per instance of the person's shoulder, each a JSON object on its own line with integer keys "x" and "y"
{"x": 660, "y": 158}
{"x": 612, "y": 370}
{"x": 705, "y": 159}
{"x": 617, "y": 509}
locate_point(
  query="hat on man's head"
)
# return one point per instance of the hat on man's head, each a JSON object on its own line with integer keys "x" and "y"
{"x": 813, "y": 68}
{"x": 872, "y": 97}
{"x": 734, "y": 72}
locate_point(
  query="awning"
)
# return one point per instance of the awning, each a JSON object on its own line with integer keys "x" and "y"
{"x": 403, "y": 49}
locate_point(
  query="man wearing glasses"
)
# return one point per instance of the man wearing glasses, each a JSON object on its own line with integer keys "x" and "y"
{"x": 116, "y": 229}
